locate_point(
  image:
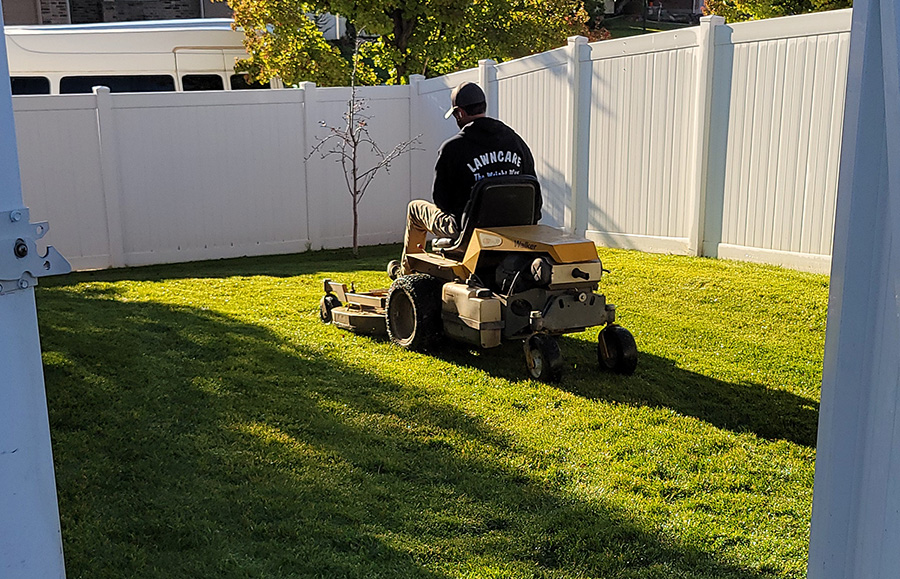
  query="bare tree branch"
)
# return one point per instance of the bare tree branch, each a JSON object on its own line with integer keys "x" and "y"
{"x": 345, "y": 142}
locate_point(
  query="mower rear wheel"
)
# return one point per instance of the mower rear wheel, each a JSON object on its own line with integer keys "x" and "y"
{"x": 616, "y": 350}
{"x": 543, "y": 358}
{"x": 326, "y": 304}
{"x": 413, "y": 311}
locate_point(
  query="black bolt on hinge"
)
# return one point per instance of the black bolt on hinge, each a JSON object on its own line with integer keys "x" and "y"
{"x": 21, "y": 249}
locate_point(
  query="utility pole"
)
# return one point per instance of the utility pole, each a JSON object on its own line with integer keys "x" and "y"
{"x": 30, "y": 539}
{"x": 855, "y": 525}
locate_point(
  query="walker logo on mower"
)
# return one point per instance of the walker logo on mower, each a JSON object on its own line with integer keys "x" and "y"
{"x": 537, "y": 284}
{"x": 526, "y": 244}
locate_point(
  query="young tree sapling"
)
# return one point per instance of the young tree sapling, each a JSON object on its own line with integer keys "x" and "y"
{"x": 349, "y": 141}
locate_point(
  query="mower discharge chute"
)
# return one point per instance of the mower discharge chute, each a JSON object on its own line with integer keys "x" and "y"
{"x": 503, "y": 278}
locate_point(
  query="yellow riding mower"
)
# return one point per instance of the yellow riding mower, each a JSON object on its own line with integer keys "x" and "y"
{"x": 503, "y": 278}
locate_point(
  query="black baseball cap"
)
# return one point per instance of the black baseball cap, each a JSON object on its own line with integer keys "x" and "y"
{"x": 464, "y": 95}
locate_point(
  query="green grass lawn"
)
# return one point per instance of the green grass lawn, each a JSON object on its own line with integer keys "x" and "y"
{"x": 206, "y": 424}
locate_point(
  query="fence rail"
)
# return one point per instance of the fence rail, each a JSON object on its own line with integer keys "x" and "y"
{"x": 718, "y": 140}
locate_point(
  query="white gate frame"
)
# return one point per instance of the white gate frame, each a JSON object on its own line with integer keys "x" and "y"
{"x": 30, "y": 538}
{"x": 856, "y": 501}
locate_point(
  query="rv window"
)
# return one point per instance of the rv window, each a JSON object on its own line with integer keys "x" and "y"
{"x": 30, "y": 84}
{"x": 117, "y": 83}
{"x": 239, "y": 82}
{"x": 202, "y": 82}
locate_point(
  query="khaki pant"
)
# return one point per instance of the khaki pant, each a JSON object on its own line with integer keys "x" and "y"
{"x": 423, "y": 217}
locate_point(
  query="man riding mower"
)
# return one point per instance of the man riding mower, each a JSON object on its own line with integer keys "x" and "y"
{"x": 503, "y": 278}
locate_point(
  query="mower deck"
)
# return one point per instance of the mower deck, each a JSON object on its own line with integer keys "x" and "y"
{"x": 363, "y": 313}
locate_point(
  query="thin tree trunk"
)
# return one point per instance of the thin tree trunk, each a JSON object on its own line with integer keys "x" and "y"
{"x": 403, "y": 30}
{"x": 355, "y": 227}
{"x": 356, "y": 198}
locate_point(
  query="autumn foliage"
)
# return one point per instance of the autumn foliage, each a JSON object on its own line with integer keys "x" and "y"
{"x": 429, "y": 37}
{"x": 284, "y": 42}
{"x": 740, "y": 10}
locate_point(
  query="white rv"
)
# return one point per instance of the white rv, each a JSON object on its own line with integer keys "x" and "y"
{"x": 170, "y": 55}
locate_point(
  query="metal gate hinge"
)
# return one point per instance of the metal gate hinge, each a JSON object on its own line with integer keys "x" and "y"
{"x": 20, "y": 262}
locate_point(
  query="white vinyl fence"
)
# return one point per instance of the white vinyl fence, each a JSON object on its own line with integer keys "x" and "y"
{"x": 137, "y": 179}
{"x": 778, "y": 107}
{"x": 718, "y": 140}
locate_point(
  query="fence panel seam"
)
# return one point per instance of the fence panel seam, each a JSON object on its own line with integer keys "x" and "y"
{"x": 702, "y": 118}
{"x": 578, "y": 147}
{"x": 111, "y": 179}
{"x": 309, "y": 93}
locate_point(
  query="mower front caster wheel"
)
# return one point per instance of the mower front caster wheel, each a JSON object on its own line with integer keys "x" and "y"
{"x": 326, "y": 304}
{"x": 394, "y": 269}
{"x": 543, "y": 358}
{"x": 616, "y": 350}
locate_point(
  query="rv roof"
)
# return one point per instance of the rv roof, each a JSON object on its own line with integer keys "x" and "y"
{"x": 182, "y": 24}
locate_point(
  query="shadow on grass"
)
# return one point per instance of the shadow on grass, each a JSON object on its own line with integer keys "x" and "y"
{"x": 658, "y": 382}
{"x": 189, "y": 444}
{"x": 330, "y": 261}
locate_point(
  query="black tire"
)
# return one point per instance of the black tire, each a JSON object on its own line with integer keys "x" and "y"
{"x": 326, "y": 304}
{"x": 616, "y": 350}
{"x": 543, "y": 360}
{"x": 413, "y": 311}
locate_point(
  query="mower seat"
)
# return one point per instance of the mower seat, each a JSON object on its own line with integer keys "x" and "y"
{"x": 495, "y": 202}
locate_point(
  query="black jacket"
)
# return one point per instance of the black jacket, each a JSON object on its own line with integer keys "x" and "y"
{"x": 484, "y": 148}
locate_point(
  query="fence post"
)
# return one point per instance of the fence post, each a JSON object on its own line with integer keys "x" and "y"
{"x": 110, "y": 177}
{"x": 578, "y": 75}
{"x": 30, "y": 539}
{"x": 313, "y": 226}
{"x": 487, "y": 79}
{"x": 706, "y": 37}
{"x": 416, "y": 189}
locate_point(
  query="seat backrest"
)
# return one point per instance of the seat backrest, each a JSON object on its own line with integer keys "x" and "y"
{"x": 500, "y": 202}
